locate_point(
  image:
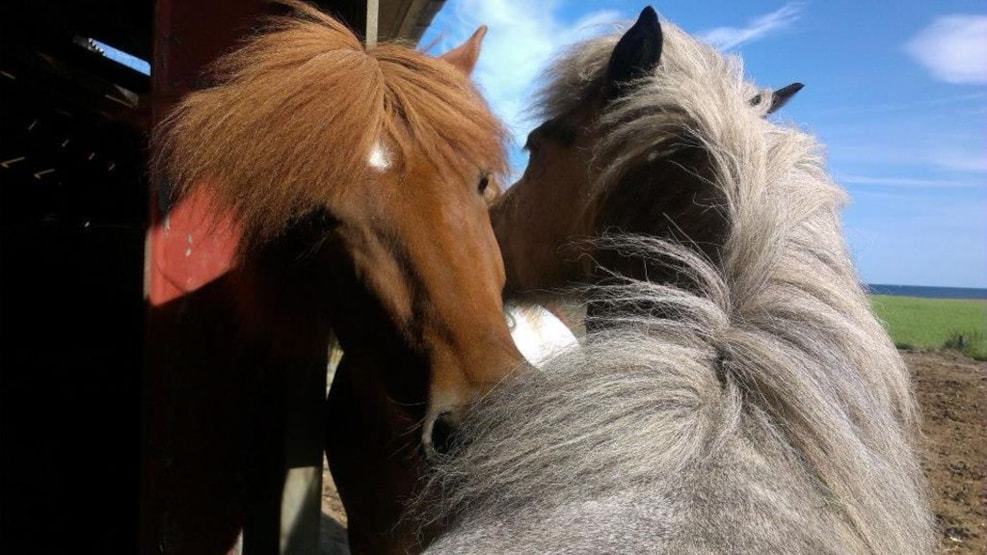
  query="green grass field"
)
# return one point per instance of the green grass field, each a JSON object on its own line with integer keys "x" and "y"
{"x": 917, "y": 323}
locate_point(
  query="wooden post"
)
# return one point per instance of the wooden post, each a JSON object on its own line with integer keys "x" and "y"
{"x": 233, "y": 444}
{"x": 372, "y": 19}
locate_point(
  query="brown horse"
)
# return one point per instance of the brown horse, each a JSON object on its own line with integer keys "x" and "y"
{"x": 739, "y": 396}
{"x": 360, "y": 180}
{"x": 370, "y": 435}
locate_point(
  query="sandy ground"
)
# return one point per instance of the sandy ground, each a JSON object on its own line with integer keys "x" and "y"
{"x": 952, "y": 391}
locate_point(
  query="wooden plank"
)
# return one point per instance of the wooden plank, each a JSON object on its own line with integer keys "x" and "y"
{"x": 233, "y": 455}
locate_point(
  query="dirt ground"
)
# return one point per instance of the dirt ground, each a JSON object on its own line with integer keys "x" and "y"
{"x": 952, "y": 391}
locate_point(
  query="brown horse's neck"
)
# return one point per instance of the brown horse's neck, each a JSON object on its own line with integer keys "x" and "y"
{"x": 669, "y": 198}
{"x": 296, "y": 288}
{"x": 375, "y": 457}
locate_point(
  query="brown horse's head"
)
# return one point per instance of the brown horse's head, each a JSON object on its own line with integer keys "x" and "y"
{"x": 551, "y": 249}
{"x": 361, "y": 180}
{"x": 584, "y": 180}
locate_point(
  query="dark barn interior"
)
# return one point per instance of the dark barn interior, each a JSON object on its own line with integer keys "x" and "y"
{"x": 73, "y": 212}
{"x": 75, "y": 205}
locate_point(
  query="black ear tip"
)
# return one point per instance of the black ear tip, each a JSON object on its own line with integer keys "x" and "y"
{"x": 648, "y": 17}
{"x": 637, "y": 53}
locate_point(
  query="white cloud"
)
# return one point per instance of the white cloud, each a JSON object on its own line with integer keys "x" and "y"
{"x": 953, "y": 48}
{"x": 936, "y": 103}
{"x": 730, "y": 37}
{"x": 907, "y": 181}
{"x": 960, "y": 160}
{"x": 523, "y": 38}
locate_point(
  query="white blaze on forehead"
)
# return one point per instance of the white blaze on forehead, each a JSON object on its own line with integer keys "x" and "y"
{"x": 380, "y": 158}
{"x": 538, "y": 334}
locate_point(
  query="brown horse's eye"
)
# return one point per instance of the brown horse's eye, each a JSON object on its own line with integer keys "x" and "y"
{"x": 481, "y": 187}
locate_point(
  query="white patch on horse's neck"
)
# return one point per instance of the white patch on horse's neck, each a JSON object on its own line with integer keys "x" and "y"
{"x": 538, "y": 334}
{"x": 380, "y": 158}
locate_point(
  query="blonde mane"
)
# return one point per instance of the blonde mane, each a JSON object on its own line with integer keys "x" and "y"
{"x": 296, "y": 111}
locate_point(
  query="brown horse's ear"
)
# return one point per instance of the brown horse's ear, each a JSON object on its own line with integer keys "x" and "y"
{"x": 779, "y": 97}
{"x": 465, "y": 55}
{"x": 636, "y": 54}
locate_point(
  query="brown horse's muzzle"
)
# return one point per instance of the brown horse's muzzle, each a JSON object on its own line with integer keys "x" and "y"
{"x": 459, "y": 379}
{"x": 439, "y": 435}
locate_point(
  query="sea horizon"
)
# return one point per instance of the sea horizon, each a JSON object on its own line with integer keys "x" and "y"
{"x": 926, "y": 291}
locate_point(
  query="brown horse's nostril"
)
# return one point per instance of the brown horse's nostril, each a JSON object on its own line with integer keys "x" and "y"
{"x": 443, "y": 433}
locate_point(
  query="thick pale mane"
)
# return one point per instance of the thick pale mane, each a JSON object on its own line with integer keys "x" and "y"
{"x": 780, "y": 204}
{"x": 296, "y": 112}
{"x": 763, "y": 409}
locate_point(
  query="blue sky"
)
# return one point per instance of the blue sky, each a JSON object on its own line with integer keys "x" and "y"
{"x": 895, "y": 90}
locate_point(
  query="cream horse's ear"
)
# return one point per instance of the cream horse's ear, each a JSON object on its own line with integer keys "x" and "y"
{"x": 779, "y": 97}
{"x": 465, "y": 55}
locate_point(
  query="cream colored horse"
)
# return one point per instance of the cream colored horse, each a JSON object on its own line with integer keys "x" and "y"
{"x": 738, "y": 395}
